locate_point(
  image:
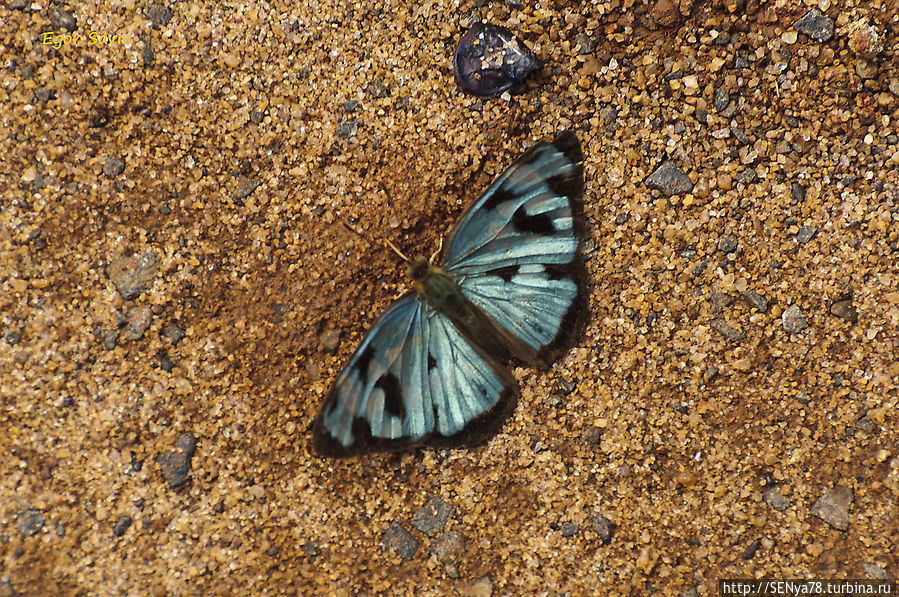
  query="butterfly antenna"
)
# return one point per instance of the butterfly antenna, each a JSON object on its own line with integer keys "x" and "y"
{"x": 437, "y": 252}
{"x": 397, "y": 251}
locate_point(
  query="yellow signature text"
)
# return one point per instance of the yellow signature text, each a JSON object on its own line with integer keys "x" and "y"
{"x": 58, "y": 40}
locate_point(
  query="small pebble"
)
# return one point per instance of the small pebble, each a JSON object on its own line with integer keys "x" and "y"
{"x": 398, "y": 539}
{"x": 833, "y": 507}
{"x": 805, "y": 234}
{"x": 132, "y": 275}
{"x": 793, "y": 320}
{"x": 669, "y": 179}
{"x": 121, "y": 526}
{"x": 845, "y": 310}
{"x": 175, "y": 463}
{"x": 756, "y": 300}
{"x": 431, "y": 518}
{"x": 728, "y": 243}
{"x": 816, "y": 25}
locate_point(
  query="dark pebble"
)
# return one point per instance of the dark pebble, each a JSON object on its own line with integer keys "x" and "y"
{"x": 165, "y": 363}
{"x": 793, "y": 320}
{"x": 329, "y": 341}
{"x": 245, "y": 187}
{"x": 138, "y": 322}
{"x": 845, "y": 310}
{"x": 113, "y": 166}
{"x": 431, "y": 519}
{"x": 751, "y": 549}
{"x": 400, "y": 540}
{"x": 721, "y": 99}
{"x": 110, "y": 339}
{"x": 62, "y": 19}
{"x": 13, "y": 337}
{"x": 350, "y": 106}
{"x": 816, "y": 25}
{"x": 173, "y": 332}
{"x": 347, "y": 129}
{"x": 669, "y": 179}
{"x": 159, "y": 15}
{"x": 805, "y": 234}
{"x": 449, "y": 546}
{"x": 132, "y": 275}
{"x": 175, "y": 463}
{"x": 774, "y": 498}
{"x": 569, "y": 529}
{"x": 121, "y": 526}
{"x": 729, "y": 332}
{"x": 603, "y": 527}
{"x": 727, "y": 243}
{"x": 29, "y": 522}
{"x": 490, "y": 60}
{"x": 710, "y": 373}
{"x": 833, "y": 507}
{"x": 756, "y": 300}
{"x": 798, "y": 192}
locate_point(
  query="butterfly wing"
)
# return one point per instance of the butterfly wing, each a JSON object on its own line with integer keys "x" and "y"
{"x": 515, "y": 251}
{"x": 414, "y": 380}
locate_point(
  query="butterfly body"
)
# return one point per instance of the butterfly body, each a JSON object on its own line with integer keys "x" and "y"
{"x": 511, "y": 285}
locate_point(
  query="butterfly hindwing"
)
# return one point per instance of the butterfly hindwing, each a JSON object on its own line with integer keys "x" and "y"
{"x": 515, "y": 251}
{"x": 413, "y": 380}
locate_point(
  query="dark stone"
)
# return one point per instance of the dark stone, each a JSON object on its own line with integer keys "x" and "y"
{"x": 431, "y": 519}
{"x": 132, "y": 275}
{"x": 175, "y": 463}
{"x": 400, "y": 540}
{"x": 728, "y": 243}
{"x": 833, "y": 507}
{"x": 845, "y": 310}
{"x": 29, "y": 522}
{"x": 245, "y": 187}
{"x": 165, "y": 363}
{"x": 110, "y": 339}
{"x": 751, "y": 549}
{"x": 138, "y": 322}
{"x": 805, "y": 234}
{"x": 13, "y": 337}
{"x": 62, "y": 19}
{"x": 729, "y": 332}
{"x": 816, "y": 25}
{"x": 449, "y": 546}
{"x": 490, "y": 60}
{"x": 721, "y": 99}
{"x": 113, "y": 166}
{"x": 793, "y": 320}
{"x": 603, "y": 527}
{"x": 173, "y": 332}
{"x": 347, "y": 129}
{"x": 569, "y": 529}
{"x": 756, "y": 300}
{"x": 159, "y": 15}
{"x": 121, "y": 526}
{"x": 669, "y": 179}
{"x": 350, "y": 106}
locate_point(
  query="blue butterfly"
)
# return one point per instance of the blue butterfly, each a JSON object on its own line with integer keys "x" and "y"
{"x": 512, "y": 285}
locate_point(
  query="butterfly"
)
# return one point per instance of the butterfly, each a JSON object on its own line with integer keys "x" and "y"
{"x": 512, "y": 284}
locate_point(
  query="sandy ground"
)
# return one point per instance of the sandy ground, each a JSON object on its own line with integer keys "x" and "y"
{"x": 179, "y": 286}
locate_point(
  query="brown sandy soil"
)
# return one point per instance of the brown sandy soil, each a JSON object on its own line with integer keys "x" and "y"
{"x": 156, "y": 434}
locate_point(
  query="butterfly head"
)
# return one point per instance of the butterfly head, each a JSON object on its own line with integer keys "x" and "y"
{"x": 418, "y": 268}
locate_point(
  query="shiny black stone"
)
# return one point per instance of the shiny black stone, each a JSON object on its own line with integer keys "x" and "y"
{"x": 490, "y": 60}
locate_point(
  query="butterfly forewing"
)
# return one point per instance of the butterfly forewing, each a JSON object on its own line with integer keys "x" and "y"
{"x": 515, "y": 252}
